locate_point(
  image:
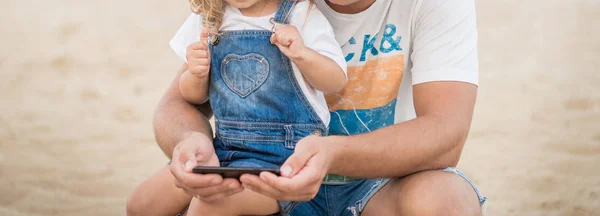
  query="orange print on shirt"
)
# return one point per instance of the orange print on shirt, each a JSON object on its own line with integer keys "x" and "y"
{"x": 372, "y": 85}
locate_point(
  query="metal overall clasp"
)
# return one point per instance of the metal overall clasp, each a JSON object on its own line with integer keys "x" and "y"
{"x": 213, "y": 39}
{"x": 275, "y": 24}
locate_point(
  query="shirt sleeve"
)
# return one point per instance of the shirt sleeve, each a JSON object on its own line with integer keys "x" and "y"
{"x": 317, "y": 33}
{"x": 187, "y": 34}
{"x": 444, "y": 42}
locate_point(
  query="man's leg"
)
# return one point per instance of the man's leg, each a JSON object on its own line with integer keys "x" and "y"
{"x": 158, "y": 196}
{"x": 246, "y": 202}
{"x": 425, "y": 193}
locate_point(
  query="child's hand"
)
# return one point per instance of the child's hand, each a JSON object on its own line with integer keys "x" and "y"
{"x": 198, "y": 56}
{"x": 289, "y": 41}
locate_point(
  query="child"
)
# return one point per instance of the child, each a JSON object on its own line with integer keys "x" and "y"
{"x": 264, "y": 71}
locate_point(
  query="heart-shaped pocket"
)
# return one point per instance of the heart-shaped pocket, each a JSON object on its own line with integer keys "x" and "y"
{"x": 244, "y": 74}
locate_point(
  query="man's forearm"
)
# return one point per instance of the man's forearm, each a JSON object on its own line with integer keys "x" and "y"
{"x": 175, "y": 119}
{"x": 397, "y": 150}
{"x": 433, "y": 140}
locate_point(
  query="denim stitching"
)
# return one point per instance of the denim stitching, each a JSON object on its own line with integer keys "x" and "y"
{"x": 267, "y": 125}
{"x": 289, "y": 137}
{"x": 224, "y": 144}
{"x": 311, "y": 129}
{"x": 229, "y": 155}
{"x": 238, "y": 136}
{"x": 240, "y": 142}
{"x": 257, "y": 84}
{"x": 256, "y": 138}
{"x": 327, "y": 197}
{"x": 224, "y": 124}
{"x": 269, "y": 128}
{"x": 290, "y": 208}
{"x": 244, "y": 123}
{"x": 301, "y": 96}
{"x": 482, "y": 199}
{"x": 282, "y": 10}
{"x": 360, "y": 205}
{"x": 244, "y": 33}
{"x": 217, "y": 129}
{"x": 232, "y": 57}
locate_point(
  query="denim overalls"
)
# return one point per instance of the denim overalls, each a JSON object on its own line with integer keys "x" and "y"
{"x": 260, "y": 110}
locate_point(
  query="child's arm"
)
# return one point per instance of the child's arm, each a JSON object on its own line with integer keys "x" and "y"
{"x": 194, "y": 82}
{"x": 194, "y": 89}
{"x": 322, "y": 73}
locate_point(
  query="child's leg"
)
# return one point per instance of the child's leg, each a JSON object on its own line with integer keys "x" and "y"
{"x": 158, "y": 196}
{"x": 246, "y": 202}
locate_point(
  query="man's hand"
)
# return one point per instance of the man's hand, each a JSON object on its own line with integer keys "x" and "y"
{"x": 288, "y": 40}
{"x": 198, "y": 56}
{"x": 197, "y": 149}
{"x": 301, "y": 175}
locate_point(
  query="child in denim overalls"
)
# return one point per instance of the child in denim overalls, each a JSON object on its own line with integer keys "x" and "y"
{"x": 258, "y": 82}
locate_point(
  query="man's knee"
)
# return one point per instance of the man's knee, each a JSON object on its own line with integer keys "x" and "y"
{"x": 198, "y": 207}
{"x": 136, "y": 205}
{"x": 436, "y": 193}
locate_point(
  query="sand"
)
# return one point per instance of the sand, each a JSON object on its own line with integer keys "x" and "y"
{"x": 79, "y": 81}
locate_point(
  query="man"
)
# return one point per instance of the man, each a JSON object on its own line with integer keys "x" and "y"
{"x": 408, "y": 106}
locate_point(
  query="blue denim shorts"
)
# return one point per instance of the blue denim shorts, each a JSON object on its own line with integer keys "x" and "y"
{"x": 349, "y": 199}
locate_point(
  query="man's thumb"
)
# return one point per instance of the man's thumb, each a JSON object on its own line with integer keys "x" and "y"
{"x": 187, "y": 159}
{"x": 295, "y": 163}
{"x": 189, "y": 165}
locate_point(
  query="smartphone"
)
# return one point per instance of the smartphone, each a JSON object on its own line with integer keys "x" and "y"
{"x": 232, "y": 172}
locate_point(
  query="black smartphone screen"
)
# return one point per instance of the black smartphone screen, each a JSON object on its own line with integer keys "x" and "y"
{"x": 232, "y": 172}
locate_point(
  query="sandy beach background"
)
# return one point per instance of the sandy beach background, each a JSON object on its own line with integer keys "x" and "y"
{"x": 79, "y": 81}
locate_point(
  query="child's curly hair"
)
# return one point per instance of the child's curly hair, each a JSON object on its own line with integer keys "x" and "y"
{"x": 211, "y": 11}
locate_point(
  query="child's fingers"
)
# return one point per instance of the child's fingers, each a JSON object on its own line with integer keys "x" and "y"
{"x": 197, "y": 54}
{"x": 284, "y": 39}
{"x": 198, "y": 61}
{"x": 204, "y": 35}
{"x": 204, "y": 32}
{"x": 195, "y": 51}
{"x": 284, "y": 49}
{"x": 199, "y": 71}
{"x": 273, "y": 38}
{"x": 279, "y": 33}
{"x": 198, "y": 46}
{"x": 195, "y": 57}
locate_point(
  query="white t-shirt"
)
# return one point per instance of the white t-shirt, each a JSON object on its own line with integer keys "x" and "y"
{"x": 316, "y": 33}
{"x": 396, "y": 44}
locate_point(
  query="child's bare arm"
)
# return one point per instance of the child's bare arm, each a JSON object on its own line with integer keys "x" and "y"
{"x": 194, "y": 89}
{"x": 322, "y": 73}
{"x": 194, "y": 82}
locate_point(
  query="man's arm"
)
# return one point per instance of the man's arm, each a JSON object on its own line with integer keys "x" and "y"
{"x": 184, "y": 134}
{"x": 175, "y": 119}
{"x": 433, "y": 140}
{"x": 445, "y": 63}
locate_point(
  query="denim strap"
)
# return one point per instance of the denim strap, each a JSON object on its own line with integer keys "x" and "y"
{"x": 284, "y": 10}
